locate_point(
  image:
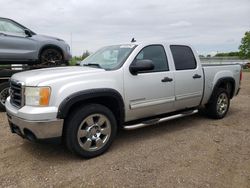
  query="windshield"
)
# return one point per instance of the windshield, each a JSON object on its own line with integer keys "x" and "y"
{"x": 109, "y": 57}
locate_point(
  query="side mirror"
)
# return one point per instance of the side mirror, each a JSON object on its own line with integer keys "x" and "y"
{"x": 140, "y": 66}
{"x": 28, "y": 33}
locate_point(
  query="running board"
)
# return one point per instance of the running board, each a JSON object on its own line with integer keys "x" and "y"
{"x": 158, "y": 120}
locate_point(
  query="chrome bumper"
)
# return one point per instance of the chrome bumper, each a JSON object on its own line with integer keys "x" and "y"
{"x": 35, "y": 129}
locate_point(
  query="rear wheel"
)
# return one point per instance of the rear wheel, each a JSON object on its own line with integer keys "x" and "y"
{"x": 90, "y": 130}
{"x": 219, "y": 104}
{"x": 52, "y": 57}
{"x": 4, "y": 93}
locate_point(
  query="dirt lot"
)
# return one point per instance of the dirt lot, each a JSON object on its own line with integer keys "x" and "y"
{"x": 189, "y": 152}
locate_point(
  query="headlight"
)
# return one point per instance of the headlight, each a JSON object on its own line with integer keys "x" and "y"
{"x": 37, "y": 96}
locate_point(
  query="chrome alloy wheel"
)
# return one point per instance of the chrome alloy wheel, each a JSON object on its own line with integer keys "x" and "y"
{"x": 94, "y": 132}
{"x": 222, "y": 103}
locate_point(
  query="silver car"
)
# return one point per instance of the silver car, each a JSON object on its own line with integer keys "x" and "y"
{"x": 20, "y": 45}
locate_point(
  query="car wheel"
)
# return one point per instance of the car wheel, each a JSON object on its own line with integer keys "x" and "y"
{"x": 4, "y": 93}
{"x": 52, "y": 57}
{"x": 90, "y": 130}
{"x": 219, "y": 105}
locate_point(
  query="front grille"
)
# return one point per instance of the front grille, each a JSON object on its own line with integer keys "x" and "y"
{"x": 16, "y": 94}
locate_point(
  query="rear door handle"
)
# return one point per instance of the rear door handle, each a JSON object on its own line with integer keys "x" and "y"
{"x": 167, "y": 79}
{"x": 196, "y": 76}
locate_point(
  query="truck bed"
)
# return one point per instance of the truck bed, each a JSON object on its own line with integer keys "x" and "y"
{"x": 213, "y": 71}
{"x": 217, "y": 64}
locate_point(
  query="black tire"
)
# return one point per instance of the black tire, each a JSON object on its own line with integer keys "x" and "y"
{"x": 213, "y": 108}
{"x": 4, "y": 93}
{"x": 77, "y": 121}
{"x": 51, "y": 57}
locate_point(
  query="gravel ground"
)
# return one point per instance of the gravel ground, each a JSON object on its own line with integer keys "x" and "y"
{"x": 190, "y": 152}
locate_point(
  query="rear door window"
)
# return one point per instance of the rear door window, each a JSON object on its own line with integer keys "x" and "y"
{"x": 183, "y": 57}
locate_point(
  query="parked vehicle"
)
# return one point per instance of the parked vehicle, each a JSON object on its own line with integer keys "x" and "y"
{"x": 121, "y": 86}
{"x": 20, "y": 45}
{"x": 247, "y": 65}
{"x": 5, "y": 73}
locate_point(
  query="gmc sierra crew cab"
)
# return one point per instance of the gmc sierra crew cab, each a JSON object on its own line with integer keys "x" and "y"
{"x": 121, "y": 86}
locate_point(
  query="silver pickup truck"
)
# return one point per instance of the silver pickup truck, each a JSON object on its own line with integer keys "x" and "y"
{"x": 121, "y": 86}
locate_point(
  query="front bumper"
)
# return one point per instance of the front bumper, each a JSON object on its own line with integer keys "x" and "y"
{"x": 67, "y": 55}
{"x": 35, "y": 129}
{"x": 34, "y": 122}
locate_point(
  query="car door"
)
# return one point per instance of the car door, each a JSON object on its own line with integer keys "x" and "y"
{"x": 151, "y": 92}
{"x": 188, "y": 77}
{"x": 14, "y": 44}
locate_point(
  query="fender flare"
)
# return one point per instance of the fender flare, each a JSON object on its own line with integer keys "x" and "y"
{"x": 220, "y": 81}
{"x": 81, "y": 96}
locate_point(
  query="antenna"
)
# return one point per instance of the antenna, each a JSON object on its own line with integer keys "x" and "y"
{"x": 133, "y": 40}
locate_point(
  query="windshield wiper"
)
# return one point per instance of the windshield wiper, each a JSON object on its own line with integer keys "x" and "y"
{"x": 93, "y": 64}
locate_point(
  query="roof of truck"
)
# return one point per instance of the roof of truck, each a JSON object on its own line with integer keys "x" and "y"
{"x": 154, "y": 43}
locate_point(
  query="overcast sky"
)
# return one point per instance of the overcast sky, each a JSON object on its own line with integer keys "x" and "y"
{"x": 209, "y": 25}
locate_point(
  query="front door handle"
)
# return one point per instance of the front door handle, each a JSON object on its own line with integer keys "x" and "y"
{"x": 167, "y": 79}
{"x": 196, "y": 76}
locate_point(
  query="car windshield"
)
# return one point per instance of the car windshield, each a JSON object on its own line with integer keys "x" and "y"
{"x": 109, "y": 57}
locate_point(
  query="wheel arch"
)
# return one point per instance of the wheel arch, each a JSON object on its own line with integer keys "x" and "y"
{"x": 225, "y": 83}
{"x": 110, "y": 98}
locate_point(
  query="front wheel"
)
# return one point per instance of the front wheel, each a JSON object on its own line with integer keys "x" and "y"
{"x": 90, "y": 130}
{"x": 51, "y": 57}
{"x": 219, "y": 104}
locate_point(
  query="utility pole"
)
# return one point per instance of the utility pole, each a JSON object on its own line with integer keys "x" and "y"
{"x": 71, "y": 46}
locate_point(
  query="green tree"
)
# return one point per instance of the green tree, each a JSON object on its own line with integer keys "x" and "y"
{"x": 77, "y": 59}
{"x": 85, "y": 54}
{"x": 245, "y": 46}
{"x": 227, "y": 54}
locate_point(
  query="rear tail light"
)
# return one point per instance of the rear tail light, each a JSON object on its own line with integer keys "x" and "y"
{"x": 240, "y": 74}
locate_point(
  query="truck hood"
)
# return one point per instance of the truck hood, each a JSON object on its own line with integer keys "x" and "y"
{"x": 34, "y": 77}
